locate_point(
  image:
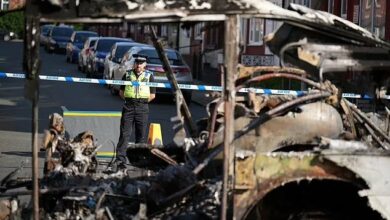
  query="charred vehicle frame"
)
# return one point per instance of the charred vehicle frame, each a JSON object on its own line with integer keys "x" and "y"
{"x": 315, "y": 155}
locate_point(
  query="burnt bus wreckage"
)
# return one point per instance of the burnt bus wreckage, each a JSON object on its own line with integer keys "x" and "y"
{"x": 313, "y": 156}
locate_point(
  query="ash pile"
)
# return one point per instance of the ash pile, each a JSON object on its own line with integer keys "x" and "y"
{"x": 183, "y": 179}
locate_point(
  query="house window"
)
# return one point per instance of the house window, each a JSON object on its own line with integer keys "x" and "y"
{"x": 164, "y": 30}
{"x": 373, "y": 16}
{"x": 379, "y": 18}
{"x": 132, "y": 28}
{"x": 306, "y": 3}
{"x": 4, "y": 5}
{"x": 146, "y": 29}
{"x": 330, "y": 6}
{"x": 256, "y": 28}
{"x": 343, "y": 12}
{"x": 243, "y": 30}
{"x": 198, "y": 31}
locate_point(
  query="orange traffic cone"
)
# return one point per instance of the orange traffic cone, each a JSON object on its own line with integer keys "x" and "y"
{"x": 155, "y": 136}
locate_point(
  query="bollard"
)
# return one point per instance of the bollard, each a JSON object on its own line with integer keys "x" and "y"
{"x": 155, "y": 136}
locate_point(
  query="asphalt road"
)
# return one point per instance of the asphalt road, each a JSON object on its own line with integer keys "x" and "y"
{"x": 16, "y": 111}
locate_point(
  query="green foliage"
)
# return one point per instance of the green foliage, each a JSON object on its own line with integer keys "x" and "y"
{"x": 78, "y": 27}
{"x": 13, "y": 21}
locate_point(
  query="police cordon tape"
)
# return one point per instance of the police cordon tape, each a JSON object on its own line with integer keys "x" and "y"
{"x": 168, "y": 85}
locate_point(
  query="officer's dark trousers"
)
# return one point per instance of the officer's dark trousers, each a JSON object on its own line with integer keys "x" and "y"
{"x": 133, "y": 113}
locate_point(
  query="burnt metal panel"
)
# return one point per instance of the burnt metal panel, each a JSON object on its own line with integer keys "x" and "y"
{"x": 295, "y": 128}
{"x": 373, "y": 168}
{"x": 273, "y": 170}
{"x": 170, "y": 10}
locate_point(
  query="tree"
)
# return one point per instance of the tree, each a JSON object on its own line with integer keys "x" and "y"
{"x": 13, "y": 21}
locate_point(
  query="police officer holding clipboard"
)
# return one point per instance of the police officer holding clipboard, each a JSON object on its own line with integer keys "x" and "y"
{"x": 135, "y": 110}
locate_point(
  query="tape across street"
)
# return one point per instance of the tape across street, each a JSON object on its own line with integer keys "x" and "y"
{"x": 168, "y": 85}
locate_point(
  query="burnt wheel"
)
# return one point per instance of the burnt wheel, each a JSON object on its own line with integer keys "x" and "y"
{"x": 317, "y": 199}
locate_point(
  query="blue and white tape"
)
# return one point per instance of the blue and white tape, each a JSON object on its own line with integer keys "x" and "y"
{"x": 168, "y": 85}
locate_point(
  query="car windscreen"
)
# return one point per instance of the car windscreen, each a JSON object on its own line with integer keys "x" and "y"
{"x": 82, "y": 37}
{"x": 173, "y": 57}
{"x": 105, "y": 45}
{"x": 45, "y": 29}
{"x": 91, "y": 43}
{"x": 121, "y": 50}
{"x": 62, "y": 32}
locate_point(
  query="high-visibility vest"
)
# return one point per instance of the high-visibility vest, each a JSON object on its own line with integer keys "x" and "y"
{"x": 137, "y": 92}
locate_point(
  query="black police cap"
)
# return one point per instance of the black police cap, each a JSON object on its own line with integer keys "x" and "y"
{"x": 140, "y": 58}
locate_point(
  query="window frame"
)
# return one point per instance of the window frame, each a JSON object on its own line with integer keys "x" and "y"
{"x": 198, "y": 31}
{"x": 306, "y": 3}
{"x": 3, "y": 3}
{"x": 164, "y": 30}
{"x": 146, "y": 29}
{"x": 252, "y": 32}
{"x": 330, "y": 6}
{"x": 343, "y": 9}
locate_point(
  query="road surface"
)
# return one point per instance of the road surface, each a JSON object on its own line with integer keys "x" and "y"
{"x": 16, "y": 111}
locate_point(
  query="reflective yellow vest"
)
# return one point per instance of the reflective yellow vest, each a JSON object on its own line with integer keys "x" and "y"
{"x": 137, "y": 92}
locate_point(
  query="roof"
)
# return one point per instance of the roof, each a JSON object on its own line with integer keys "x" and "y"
{"x": 63, "y": 27}
{"x": 128, "y": 43}
{"x": 115, "y": 38}
{"x": 93, "y": 38}
{"x": 86, "y": 32}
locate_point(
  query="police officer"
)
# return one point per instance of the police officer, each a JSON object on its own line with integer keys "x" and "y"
{"x": 135, "y": 109}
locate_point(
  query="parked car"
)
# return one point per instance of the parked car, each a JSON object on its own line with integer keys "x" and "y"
{"x": 115, "y": 55}
{"x": 180, "y": 68}
{"x": 44, "y": 36}
{"x": 84, "y": 53}
{"x": 77, "y": 41}
{"x": 99, "y": 53}
{"x": 6, "y": 35}
{"x": 59, "y": 36}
